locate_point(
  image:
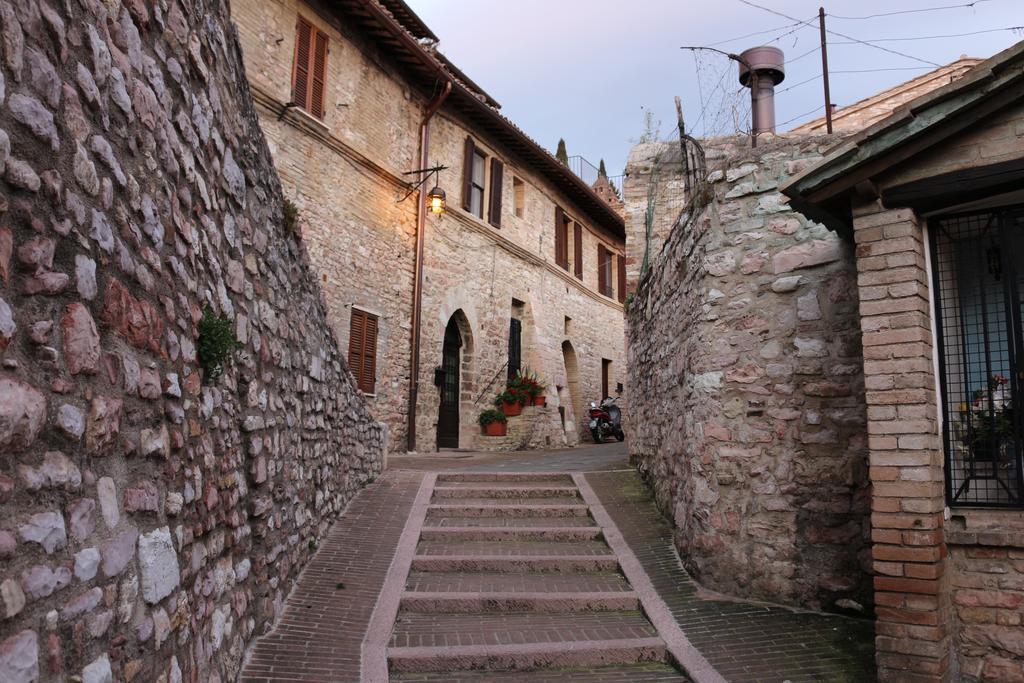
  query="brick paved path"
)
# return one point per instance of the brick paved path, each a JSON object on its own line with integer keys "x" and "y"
{"x": 744, "y": 641}
{"x": 475, "y": 575}
{"x": 320, "y": 635}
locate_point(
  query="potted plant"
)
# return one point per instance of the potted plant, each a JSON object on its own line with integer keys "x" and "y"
{"x": 493, "y": 422}
{"x": 529, "y": 383}
{"x": 985, "y": 425}
{"x": 511, "y": 401}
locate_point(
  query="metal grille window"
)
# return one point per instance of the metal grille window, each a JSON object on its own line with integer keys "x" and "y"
{"x": 979, "y": 284}
{"x": 515, "y": 347}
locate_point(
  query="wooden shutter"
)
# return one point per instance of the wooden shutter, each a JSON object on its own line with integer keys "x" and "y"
{"x": 494, "y": 209}
{"x": 622, "y": 278}
{"x": 467, "y": 173}
{"x": 370, "y": 355}
{"x": 561, "y": 237}
{"x": 577, "y": 250}
{"x": 318, "y": 75}
{"x": 300, "y": 73}
{"x": 362, "y": 350}
{"x": 602, "y": 274}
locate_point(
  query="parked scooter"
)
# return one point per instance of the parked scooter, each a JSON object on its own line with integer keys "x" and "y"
{"x": 606, "y": 420}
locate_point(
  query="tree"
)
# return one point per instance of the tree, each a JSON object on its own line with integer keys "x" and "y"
{"x": 561, "y": 154}
{"x": 601, "y": 172}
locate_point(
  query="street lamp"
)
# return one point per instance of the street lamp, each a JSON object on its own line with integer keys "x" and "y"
{"x": 435, "y": 198}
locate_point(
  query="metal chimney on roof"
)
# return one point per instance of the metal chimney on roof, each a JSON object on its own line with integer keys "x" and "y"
{"x": 761, "y": 69}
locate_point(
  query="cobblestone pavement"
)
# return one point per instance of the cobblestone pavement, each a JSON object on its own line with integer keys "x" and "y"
{"x": 516, "y": 567}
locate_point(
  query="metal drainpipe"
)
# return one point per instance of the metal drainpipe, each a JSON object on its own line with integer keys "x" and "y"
{"x": 417, "y": 288}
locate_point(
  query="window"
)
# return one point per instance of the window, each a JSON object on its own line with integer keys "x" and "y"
{"x": 606, "y": 374}
{"x": 494, "y": 207}
{"x": 622, "y": 278}
{"x": 473, "y": 179}
{"x": 518, "y": 196}
{"x": 309, "y": 73}
{"x": 561, "y": 238}
{"x": 577, "y": 250}
{"x": 362, "y": 350}
{"x": 515, "y": 346}
{"x": 515, "y": 338}
{"x": 604, "y": 270}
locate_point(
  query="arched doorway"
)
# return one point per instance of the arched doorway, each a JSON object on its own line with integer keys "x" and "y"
{"x": 448, "y": 413}
{"x": 574, "y": 406}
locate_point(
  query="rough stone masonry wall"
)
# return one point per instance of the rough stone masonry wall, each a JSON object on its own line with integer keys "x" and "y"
{"x": 746, "y": 371}
{"x": 152, "y": 525}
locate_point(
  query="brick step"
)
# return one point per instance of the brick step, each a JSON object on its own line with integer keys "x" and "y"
{"x": 554, "y": 501}
{"x": 526, "y": 490}
{"x": 524, "y": 582}
{"x": 478, "y": 533}
{"x": 512, "y": 548}
{"x": 526, "y": 657}
{"x": 649, "y": 672}
{"x": 549, "y": 564}
{"x": 504, "y": 477}
{"x": 541, "y": 602}
{"x": 446, "y": 521}
{"x": 502, "y": 509}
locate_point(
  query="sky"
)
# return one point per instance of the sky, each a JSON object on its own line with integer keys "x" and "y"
{"x": 589, "y": 71}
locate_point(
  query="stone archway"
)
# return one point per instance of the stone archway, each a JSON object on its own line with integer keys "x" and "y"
{"x": 573, "y": 402}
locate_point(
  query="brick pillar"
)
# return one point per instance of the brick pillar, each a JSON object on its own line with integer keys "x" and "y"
{"x": 912, "y": 629}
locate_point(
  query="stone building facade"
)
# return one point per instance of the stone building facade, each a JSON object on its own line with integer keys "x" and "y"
{"x": 152, "y": 523}
{"x": 744, "y": 335}
{"x": 346, "y": 170}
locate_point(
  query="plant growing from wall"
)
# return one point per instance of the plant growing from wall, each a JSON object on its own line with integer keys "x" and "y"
{"x": 216, "y": 344}
{"x": 291, "y": 217}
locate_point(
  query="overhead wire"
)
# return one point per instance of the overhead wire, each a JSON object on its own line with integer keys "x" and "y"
{"x": 760, "y": 33}
{"x": 842, "y": 35}
{"x": 910, "y": 11}
{"x": 948, "y": 35}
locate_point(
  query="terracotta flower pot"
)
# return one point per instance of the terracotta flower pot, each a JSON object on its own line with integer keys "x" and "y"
{"x": 511, "y": 409}
{"x": 496, "y": 428}
{"x": 541, "y": 400}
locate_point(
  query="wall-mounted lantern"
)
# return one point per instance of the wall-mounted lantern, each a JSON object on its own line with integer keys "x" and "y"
{"x": 435, "y": 198}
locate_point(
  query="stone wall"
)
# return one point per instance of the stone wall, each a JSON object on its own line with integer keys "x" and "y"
{"x": 152, "y": 524}
{"x": 746, "y": 375}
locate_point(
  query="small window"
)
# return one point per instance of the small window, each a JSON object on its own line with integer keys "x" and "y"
{"x": 309, "y": 72}
{"x": 519, "y": 196}
{"x": 362, "y": 350}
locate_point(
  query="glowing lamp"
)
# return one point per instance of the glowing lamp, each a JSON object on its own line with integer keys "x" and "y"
{"x": 436, "y": 200}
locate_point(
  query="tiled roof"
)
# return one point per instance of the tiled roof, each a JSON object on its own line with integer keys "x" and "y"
{"x": 859, "y": 115}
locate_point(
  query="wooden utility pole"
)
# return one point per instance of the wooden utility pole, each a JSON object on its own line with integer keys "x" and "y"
{"x": 824, "y": 70}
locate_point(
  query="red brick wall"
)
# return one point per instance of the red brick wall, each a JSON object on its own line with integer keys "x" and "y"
{"x": 903, "y": 437}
